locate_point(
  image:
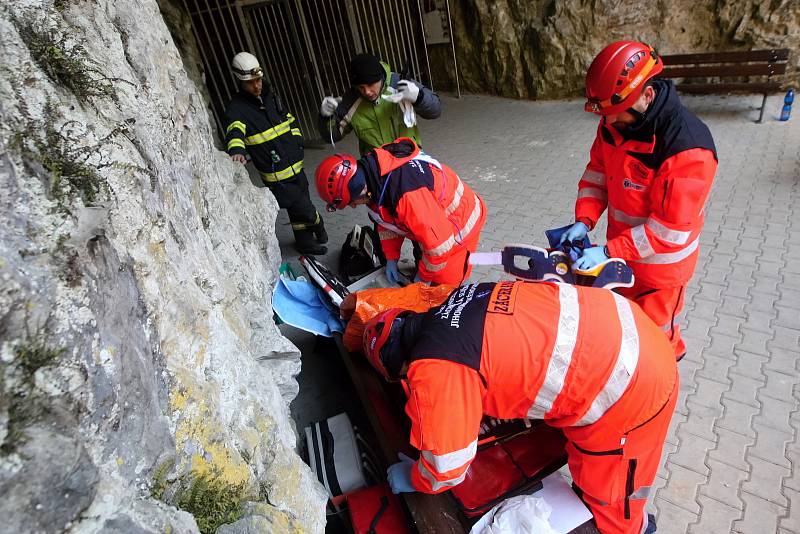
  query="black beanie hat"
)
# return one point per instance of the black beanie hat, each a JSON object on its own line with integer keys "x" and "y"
{"x": 365, "y": 69}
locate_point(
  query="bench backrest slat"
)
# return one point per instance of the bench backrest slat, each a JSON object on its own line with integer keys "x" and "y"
{"x": 771, "y": 56}
{"x": 723, "y": 70}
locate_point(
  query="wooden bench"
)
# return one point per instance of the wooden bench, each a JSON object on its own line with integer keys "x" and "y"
{"x": 764, "y": 64}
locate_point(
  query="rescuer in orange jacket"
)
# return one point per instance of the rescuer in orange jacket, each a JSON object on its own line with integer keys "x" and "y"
{"x": 651, "y": 166}
{"x": 582, "y": 359}
{"x": 409, "y": 194}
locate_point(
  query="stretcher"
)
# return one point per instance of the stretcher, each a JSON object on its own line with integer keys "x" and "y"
{"x": 513, "y": 456}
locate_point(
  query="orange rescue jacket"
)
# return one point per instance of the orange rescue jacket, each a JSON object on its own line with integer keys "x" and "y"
{"x": 556, "y": 352}
{"x": 419, "y": 198}
{"x": 654, "y": 182}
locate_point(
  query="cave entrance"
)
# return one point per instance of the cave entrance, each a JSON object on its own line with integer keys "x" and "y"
{"x": 304, "y": 46}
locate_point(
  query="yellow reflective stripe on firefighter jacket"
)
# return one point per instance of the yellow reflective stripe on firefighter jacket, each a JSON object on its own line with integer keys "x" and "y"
{"x": 262, "y": 129}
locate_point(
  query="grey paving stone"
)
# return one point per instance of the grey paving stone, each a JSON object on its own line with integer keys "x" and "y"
{"x": 701, "y": 420}
{"x": 723, "y": 345}
{"x": 716, "y": 368}
{"x": 731, "y": 448}
{"x": 754, "y": 341}
{"x": 715, "y": 516}
{"x": 709, "y": 392}
{"x": 682, "y": 486}
{"x": 775, "y": 413}
{"x": 737, "y": 417}
{"x": 779, "y": 385}
{"x": 770, "y": 445}
{"x": 766, "y": 480}
{"x": 760, "y": 515}
{"x": 782, "y": 360}
{"x": 673, "y": 519}
{"x": 691, "y": 452}
{"x": 743, "y": 389}
{"x": 792, "y": 522}
{"x": 786, "y": 338}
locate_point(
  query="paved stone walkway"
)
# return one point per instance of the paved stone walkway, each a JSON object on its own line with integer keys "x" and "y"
{"x": 732, "y": 459}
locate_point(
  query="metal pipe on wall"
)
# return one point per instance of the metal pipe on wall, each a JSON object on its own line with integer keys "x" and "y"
{"x": 453, "y": 46}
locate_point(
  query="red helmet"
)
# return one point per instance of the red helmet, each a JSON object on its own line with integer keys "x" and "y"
{"x": 618, "y": 74}
{"x": 333, "y": 176}
{"x": 376, "y": 334}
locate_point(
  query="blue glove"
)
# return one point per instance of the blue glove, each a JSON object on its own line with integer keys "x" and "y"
{"x": 418, "y": 279}
{"x": 391, "y": 271}
{"x": 576, "y": 232}
{"x": 399, "y": 475}
{"x": 591, "y": 257}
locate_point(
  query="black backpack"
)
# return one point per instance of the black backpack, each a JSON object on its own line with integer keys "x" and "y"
{"x": 361, "y": 254}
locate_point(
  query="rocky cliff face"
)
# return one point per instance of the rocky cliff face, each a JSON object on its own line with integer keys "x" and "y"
{"x": 541, "y": 48}
{"x": 143, "y": 384}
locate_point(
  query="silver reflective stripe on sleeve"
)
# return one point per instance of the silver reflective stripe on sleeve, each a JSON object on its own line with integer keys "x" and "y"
{"x": 594, "y": 177}
{"x": 669, "y": 235}
{"x": 436, "y": 485}
{"x": 593, "y": 192}
{"x": 672, "y": 257}
{"x": 388, "y": 234}
{"x": 624, "y": 218}
{"x": 452, "y": 460}
{"x": 624, "y": 367}
{"x": 456, "y": 199}
{"x": 561, "y": 357}
{"x": 376, "y": 218}
{"x": 641, "y": 242}
{"x": 450, "y": 242}
{"x": 432, "y": 267}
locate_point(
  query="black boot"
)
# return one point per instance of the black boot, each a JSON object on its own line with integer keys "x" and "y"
{"x": 651, "y": 524}
{"x": 321, "y": 235}
{"x": 305, "y": 244}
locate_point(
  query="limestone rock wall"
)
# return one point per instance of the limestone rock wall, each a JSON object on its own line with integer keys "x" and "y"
{"x": 138, "y": 354}
{"x": 541, "y": 48}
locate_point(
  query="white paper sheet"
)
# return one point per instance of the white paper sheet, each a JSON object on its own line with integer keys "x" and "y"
{"x": 569, "y": 511}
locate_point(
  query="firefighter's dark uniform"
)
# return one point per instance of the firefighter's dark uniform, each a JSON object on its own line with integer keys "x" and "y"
{"x": 271, "y": 136}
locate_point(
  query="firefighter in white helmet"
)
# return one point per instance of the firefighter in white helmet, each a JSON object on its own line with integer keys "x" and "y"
{"x": 256, "y": 124}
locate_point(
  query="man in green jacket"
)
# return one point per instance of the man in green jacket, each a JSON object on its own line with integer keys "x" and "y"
{"x": 376, "y": 120}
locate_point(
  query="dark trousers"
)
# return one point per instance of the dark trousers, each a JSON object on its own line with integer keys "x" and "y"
{"x": 292, "y": 195}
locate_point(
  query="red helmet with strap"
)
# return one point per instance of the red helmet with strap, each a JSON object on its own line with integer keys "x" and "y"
{"x": 618, "y": 74}
{"x": 376, "y": 334}
{"x": 332, "y": 177}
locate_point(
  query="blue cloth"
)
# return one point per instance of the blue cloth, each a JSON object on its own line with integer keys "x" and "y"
{"x": 303, "y": 305}
{"x": 399, "y": 475}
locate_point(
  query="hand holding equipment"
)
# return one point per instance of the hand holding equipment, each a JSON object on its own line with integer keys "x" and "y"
{"x": 591, "y": 257}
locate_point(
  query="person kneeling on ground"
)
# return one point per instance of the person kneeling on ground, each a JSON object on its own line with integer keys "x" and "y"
{"x": 409, "y": 194}
{"x": 583, "y": 359}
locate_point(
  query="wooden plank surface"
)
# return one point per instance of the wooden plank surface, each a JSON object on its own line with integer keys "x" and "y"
{"x": 717, "y": 88}
{"x": 706, "y": 71}
{"x": 745, "y": 56}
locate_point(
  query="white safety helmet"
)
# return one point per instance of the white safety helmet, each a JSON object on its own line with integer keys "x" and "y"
{"x": 245, "y": 66}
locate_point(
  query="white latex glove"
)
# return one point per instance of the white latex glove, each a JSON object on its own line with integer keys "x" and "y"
{"x": 329, "y": 105}
{"x": 409, "y": 91}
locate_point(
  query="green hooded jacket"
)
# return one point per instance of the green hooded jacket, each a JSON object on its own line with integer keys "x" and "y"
{"x": 378, "y": 123}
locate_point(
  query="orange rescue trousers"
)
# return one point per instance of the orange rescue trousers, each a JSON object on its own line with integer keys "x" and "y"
{"x": 664, "y": 307}
{"x": 615, "y": 481}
